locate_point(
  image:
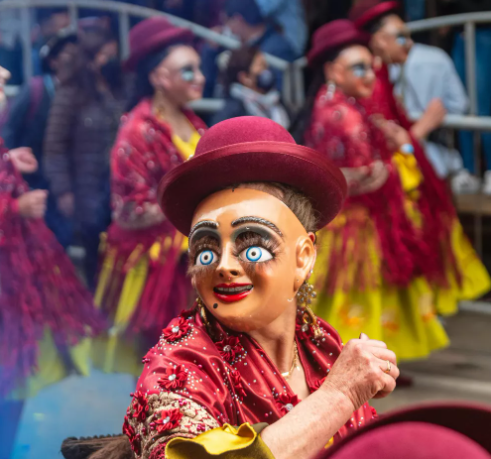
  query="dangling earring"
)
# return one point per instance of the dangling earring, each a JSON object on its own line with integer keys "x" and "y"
{"x": 331, "y": 89}
{"x": 202, "y": 311}
{"x": 305, "y": 296}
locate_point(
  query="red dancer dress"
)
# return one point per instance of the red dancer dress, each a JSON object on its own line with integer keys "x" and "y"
{"x": 45, "y": 312}
{"x": 460, "y": 274}
{"x": 142, "y": 283}
{"x": 368, "y": 271}
{"x": 193, "y": 383}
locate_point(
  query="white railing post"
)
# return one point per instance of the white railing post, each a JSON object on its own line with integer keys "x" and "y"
{"x": 124, "y": 32}
{"x": 26, "y": 42}
{"x": 471, "y": 79}
{"x": 73, "y": 11}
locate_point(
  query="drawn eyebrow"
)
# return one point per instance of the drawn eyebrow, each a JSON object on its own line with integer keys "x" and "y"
{"x": 260, "y": 221}
{"x": 204, "y": 224}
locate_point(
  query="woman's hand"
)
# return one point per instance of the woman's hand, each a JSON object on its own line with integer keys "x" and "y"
{"x": 395, "y": 135}
{"x": 366, "y": 179}
{"x": 432, "y": 119}
{"x": 33, "y": 204}
{"x": 24, "y": 160}
{"x": 360, "y": 372}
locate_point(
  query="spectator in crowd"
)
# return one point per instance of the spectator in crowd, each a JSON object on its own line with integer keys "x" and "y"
{"x": 483, "y": 89}
{"x": 26, "y": 125}
{"x": 81, "y": 128}
{"x": 51, "y": 21}
{"x": 250, "y": 88}
{"x": 289, "y": 17}
{"x": 5, "y": 76}
{"x": 142, "y": 282}
{"x": 430, "y": 74}
{"x": 246, "y": 21}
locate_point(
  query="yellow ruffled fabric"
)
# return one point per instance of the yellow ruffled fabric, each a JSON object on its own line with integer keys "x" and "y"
{"x": 405, "y": 318}
{"x": 226, "y": 442}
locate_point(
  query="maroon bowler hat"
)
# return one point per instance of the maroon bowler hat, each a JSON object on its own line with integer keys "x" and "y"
{"x": 411, "y": 440}
{"x": 470, "y": 420}
{"x": 151, "y": 35}
{"x": 250, "y": 149}
{"x": 367, "y": 11}
{"x": 334, "y": 35}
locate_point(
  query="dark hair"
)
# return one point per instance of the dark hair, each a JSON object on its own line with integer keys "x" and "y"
{"x": 302, "y": 120}
{"x": 374, "y": 26}
{"x": 78, "y": 72}
{"x": 248, "y": 9}
{"x": 240, "y": 61}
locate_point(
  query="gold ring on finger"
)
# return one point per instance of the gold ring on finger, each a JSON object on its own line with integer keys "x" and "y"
{"x": 389, "y": 367}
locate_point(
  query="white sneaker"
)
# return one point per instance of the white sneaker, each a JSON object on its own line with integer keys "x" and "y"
{"x": 466, "y": 183}
{"x": 486, "y": 187}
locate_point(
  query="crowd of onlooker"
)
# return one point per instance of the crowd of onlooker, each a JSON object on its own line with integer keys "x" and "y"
{"x": 68, "y": 113}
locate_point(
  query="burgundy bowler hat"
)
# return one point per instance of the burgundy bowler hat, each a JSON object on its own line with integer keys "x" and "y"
{"x": 151, "y": 35}
{"x": 411, "y": 440}
{"x": 250, "y": 149}
{"x": 332, "y": 36}
{"x": 471, "y": 420}
{"x": 367, "y": 11}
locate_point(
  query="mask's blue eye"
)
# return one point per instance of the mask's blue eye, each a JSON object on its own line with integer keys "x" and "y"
{"x": 206, "y": 258}
{"x": 255, "y": 255}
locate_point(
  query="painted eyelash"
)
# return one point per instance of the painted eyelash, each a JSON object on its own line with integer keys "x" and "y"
{"x": 250, "y": 239}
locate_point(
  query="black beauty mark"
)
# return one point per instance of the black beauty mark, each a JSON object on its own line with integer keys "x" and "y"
{"x": 215, "y": 306}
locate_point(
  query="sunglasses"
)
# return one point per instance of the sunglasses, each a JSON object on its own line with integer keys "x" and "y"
{"x": 361, "y": 69}
{"x": 402, "y": 37}
{"x": 188, "y": 73}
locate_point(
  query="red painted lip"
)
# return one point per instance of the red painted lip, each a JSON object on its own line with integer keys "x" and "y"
{"x": 232, "y": 297}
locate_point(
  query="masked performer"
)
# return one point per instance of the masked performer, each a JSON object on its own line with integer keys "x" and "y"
{"x": 44, "y": 309}
{"x": 367, "y": 262}
{"x": 142, "y": 284}
{"x": 251, "y": 372}
{"x": 455, "y": 271}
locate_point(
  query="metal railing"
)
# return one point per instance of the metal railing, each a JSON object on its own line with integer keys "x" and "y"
{"x": 124, "y": 12}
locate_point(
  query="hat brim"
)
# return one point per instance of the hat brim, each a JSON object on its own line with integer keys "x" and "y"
{"x": 160, "y": 40}
{"x": 470, "y": 420}
{"x": 318, "y": 54}
{"x": 374, "y": 13}
{"x": 183, "y": 188}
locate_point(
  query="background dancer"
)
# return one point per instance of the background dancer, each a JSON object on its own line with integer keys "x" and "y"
{"x": 142, "y": 283}
{"x": 455, "y": 271}
{"x": 45, "y": 312}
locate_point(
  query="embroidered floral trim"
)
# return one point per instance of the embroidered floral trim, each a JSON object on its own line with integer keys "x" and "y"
{"x": 174, "y": 378}
{"x": 237, "y": 382}
{"x": 133, "y": 437}
{"x": 186, "y": 419}
{"x": 139, "y": 406}
{"x": 176, "y": 330}
{"x": 169, "y": 419}
{"x": 286, "y": 402}
{"x": 229, "y": 348}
